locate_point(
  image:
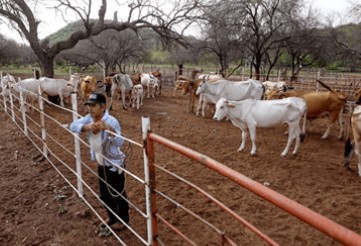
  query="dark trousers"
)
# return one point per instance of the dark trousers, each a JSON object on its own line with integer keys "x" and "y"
{"x": 110, "y": 197}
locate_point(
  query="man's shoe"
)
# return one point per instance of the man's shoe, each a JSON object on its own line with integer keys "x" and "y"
{"x": 110, "y": 222}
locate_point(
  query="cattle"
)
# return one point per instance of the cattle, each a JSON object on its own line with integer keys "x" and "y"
{"x": 149, "y": 82}
{"x": 137, "y": 95}
{"x": 356, "y": 131}
{"x": 6, "y": 82}
{"x": 282, "y": 86}
{"x": 29, "y": 88}
{"x": 250, "y": 113}
{"x": 211, "y": 76}
{"x": 135, "y": 77}
{"x": 230, "y": 90}
{"x": 181, "y": 85}
{"x": 319, "y": 103}
{"x": 159, "y": 77}
{"x": 275, "y": 93}
{"x": 75, "y": 80}
{"x": 56, "y": 87}
{"x": 108, "y": 84}
{"x": 88, "y": 85}
{"x": 124, "y": 82}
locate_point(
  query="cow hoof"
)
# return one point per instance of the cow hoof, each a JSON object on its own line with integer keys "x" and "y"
{"x": 253, "y": 154}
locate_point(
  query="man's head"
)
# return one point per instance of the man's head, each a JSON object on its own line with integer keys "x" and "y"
{"x": 96, "y": 98}
{"x": 97, "y": 105}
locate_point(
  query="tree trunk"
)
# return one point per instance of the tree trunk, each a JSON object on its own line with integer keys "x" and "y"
{"x": 47, "y": 67}
{"x": 180, "y": 69}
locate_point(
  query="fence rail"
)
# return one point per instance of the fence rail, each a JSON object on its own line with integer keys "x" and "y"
{"x": 38, "y": 126}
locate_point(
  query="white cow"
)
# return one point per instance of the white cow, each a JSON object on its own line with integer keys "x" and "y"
{"x": 124, "y": 82}
{"x": 137, "y": 96}
{"x": 238, "y": 90}
{"x": 356, "y": 131}
{"x": 29, "y": 87}
{"x": 150, "y": 83}
{"x": 56, "y": 87}
{"x": 249, "y": 114}
{"x": 210, "y": 76}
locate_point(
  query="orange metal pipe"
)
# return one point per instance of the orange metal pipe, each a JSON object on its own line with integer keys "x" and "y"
{"x": 325, "y": 225}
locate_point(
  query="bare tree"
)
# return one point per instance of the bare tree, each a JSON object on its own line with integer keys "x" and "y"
{"x": 142, "y": 14}
{"x": 109, "y": 49}
{"x": 222, "y": 37}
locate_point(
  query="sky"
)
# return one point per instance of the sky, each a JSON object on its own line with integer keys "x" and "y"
{"x": 52, "y": 22}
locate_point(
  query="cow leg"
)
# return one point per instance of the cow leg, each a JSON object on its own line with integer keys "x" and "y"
{"x": 291, "y": 134}
{"x": 325, "y": 135}
{"x": 252, "y": 135}
{"x": 199, "y": 105}
{"x": 112, "y": 93}
{"x": 340, "y": 122}
{"x": 244, "y": 130}
{"x": 204, "y": 105}
{"x": 61, "y": 99}
{"x": 297, "y": 140}
{"x": 123, "y": 100}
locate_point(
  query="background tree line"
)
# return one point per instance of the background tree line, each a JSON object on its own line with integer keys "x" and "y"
{"x": 262, "y": 35}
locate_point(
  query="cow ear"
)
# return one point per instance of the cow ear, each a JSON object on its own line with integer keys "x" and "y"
{"x": 229, "y": 104}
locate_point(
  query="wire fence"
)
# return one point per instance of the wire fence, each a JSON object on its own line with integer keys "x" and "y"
{"x": 46, "y": 126}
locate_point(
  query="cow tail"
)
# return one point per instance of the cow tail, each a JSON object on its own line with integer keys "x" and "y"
{"x": 303, "y": 131}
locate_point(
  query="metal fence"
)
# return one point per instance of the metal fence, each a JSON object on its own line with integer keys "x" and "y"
{"x": 46, "y": 129}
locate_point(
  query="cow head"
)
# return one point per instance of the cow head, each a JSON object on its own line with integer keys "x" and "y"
{"x": 201, "y": 88}
{"x": 222, "y": 109}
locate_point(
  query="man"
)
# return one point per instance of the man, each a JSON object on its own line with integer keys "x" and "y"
{"x": 103, "y": 144}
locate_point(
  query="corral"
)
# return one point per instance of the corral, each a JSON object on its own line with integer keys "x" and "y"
{"x": 315, "y": 178}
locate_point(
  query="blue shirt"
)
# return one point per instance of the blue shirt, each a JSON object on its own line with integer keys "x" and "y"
{"x": 115, "y": 142}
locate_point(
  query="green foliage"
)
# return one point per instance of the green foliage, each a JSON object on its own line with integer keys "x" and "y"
{"x": 159, "y": 57}
{"x": 65, "y": 32}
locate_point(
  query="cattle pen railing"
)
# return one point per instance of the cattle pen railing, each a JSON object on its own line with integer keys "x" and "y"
{"x": 35, "y": 127}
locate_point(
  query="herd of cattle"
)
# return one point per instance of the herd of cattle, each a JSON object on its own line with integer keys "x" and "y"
{"x": 247, "y": 104}
{"x": 134, "y": 85}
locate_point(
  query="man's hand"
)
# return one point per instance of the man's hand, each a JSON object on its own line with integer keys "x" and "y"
{"x": 96, "y": 127}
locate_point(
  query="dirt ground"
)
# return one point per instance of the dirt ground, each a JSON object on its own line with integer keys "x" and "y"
{"x": 39, "y": 208}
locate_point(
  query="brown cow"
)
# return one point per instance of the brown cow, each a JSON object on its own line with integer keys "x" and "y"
{"x": 318, "y": 103}
{"x": 88, "y": 85}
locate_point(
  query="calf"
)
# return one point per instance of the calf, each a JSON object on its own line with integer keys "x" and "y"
{"x": 137, "y": 95}
{"x": 249, "y": 114}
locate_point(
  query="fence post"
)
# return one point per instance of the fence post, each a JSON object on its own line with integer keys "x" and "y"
{"x": 12, "y": 105}
{"x": 3, "y": 88}
{"x": 42, "y": 123}
{"x": 74, "y": 104}
{"x": 23, "y": 112}
{"x": 149, "y": 172}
